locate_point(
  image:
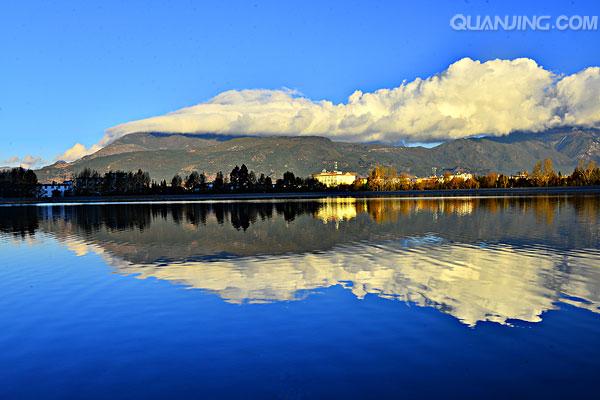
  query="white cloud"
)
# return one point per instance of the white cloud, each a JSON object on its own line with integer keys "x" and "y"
{"x": 468, "y": 98}
{"x": 77, "y": 151}
{"x": 14, "y": 160}
{"x": 579, "y": 95}
{"x": 26, "y": 162}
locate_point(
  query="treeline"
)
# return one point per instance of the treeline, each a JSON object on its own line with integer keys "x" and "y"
{"x": 90, "y": 182}
{"x": 240, "y": 180}
{"x": 542, "y": 175}
{"x": 243, "y": 180}
{"x": 18, "y": 182}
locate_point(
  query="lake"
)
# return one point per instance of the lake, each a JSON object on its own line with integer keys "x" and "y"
{"x": 333, "y": 297}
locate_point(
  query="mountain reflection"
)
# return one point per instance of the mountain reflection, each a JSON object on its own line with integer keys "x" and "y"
{"x": 494, "y": 259}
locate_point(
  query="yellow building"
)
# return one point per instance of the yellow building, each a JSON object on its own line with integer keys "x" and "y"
{"x": 335, "y": 178}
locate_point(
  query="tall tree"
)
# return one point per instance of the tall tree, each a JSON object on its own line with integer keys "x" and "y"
{"x": 192, "y": 181}
{"x": 548, "y": 172}
{"x": 289, "y": 179}
{"x": 243, "y": 178}
{"x": 219, "y": 182}
{"x": 537, "y": 174}
{"x": 176, "y": 183}
{"x": 234, "y": 177}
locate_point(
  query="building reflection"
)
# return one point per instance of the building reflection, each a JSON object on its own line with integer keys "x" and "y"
{"x": 339, "y": 209}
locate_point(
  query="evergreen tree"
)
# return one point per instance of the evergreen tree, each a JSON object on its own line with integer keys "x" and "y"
{"x": 176, "y": 183}
{"x": 18, "y": 182}
{"x": 243, "y": 178}
{"x": 234, "y": 178}
{"x": 192, "y": 182}
{"x": 219, "y": 182}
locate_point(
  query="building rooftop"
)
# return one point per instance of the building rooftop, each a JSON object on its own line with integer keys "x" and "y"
{"x": 334, "y": 173}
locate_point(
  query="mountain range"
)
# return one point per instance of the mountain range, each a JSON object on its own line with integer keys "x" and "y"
{"x": 165, "y": 154}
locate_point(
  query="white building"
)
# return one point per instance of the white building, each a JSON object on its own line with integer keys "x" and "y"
{"x": 48, "y": 189}
{"x": 335, "y": 178}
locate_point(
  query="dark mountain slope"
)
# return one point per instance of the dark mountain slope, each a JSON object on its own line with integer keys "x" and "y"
{"x": 163, "y": 155}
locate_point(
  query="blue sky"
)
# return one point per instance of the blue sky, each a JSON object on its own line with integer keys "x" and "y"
{"x": 70, "y": 70}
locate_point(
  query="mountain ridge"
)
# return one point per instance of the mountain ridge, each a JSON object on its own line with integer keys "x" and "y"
{"x": 165, "y": 154}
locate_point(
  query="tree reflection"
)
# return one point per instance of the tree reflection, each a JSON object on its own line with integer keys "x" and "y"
{"x": 444, "y": 214}
{"x": 19, "y": 221}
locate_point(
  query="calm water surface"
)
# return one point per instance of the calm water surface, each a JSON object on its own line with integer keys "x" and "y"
{"x": 435, "y": 298}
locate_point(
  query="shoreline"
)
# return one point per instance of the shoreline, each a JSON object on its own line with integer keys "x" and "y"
{"x": 491, "y": 192}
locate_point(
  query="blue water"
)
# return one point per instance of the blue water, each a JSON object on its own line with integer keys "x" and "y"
{"x": 385, "y": 298}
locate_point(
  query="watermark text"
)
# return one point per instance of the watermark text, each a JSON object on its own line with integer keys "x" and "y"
{"x": 461, "y": 22}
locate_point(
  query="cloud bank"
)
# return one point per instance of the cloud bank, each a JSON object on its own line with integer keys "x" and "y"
{"x": 26, "y": 162}
{"x": 468, "y": 98}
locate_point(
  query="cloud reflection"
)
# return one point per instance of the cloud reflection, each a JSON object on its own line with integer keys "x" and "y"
{"x": 470, "y": 282}
{"x": 495, "y": 260}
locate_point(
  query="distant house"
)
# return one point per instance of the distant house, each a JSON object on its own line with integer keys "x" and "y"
{"x": 54, "y": 189}
{"x": 335, "y": 178}
{"x": 520, "y": 175}
{"x": 425, "y": 179}
{"x": 448, "y": 177}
